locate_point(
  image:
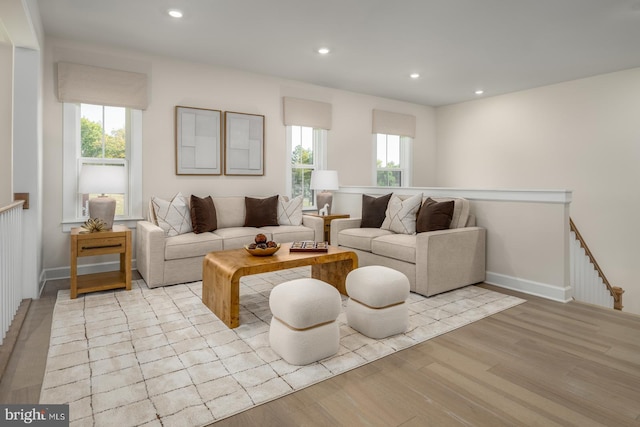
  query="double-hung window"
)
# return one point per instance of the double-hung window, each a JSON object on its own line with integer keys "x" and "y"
{"x": 104, "y": 136}
{"x": 393, "y": 160}
{"x": 306, "y": 152}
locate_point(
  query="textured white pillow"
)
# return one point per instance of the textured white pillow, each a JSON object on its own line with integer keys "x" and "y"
{"x": 289, "y": 211}
{"x": 400, "y": 216}
{"x": 174, "y": 216}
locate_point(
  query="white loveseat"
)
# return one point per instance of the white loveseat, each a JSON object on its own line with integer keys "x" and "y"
{"x": 163, "y": 260}
{"x": 434, "y": 261}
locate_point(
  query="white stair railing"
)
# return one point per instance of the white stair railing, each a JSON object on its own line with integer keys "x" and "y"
{"x": 10, "y": 264}
{"x": 589, "y": 282}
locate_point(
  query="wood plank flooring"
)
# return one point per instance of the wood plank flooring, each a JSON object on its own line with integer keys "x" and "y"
{"x": 540, "y": 363}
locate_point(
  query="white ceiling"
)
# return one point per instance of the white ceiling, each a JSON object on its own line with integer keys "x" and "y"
{"x": 457, "y": 46}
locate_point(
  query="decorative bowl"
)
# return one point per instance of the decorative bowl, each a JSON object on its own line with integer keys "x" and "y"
{"x": 262, "y": 252}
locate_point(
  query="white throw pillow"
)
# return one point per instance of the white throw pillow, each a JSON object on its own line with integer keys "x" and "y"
{"x": 289, "y": 211}
{"x": 174, "y": 216}
{"x": 400, "y": 216}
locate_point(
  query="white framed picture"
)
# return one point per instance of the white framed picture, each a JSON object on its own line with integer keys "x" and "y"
{"x": 244, "y": 144}
{"x": 198, "y": 141}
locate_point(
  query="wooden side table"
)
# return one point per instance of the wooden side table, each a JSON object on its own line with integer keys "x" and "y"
{"x": 327, "y": 222}
{"x": 115, "y": 241}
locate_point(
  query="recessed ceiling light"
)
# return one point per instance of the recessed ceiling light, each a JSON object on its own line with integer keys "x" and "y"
{"x": 414, "y": 75}
{"x": 174, "y": 13}
{"x": 479, "y": 92}
{"x": 323, "y": 50}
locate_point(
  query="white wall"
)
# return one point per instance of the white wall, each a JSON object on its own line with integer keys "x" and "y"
{"x": 27, "y": 158}
{"x": 6, "y": 107}
{"x": 581, "y": 135}
{"x": 174, "y": 82}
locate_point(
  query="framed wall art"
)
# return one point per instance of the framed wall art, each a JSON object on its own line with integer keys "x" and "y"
{"x": 243, "y": 144}
{"x": 198, "y": 141}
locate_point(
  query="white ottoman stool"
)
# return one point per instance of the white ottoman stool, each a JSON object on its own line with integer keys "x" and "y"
{"x": 303, "y": 328}
{"x": 376, "y": 306}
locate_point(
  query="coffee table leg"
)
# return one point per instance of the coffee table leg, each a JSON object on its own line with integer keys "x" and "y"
{"x": 221, "y": 294}
{"x": 334, "y": 273}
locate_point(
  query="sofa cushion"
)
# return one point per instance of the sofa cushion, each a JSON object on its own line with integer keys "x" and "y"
{"x": 461, "y": 210}
{"x": 400, "y": 216}
{"x": 173, "y": 216}
{"x": 289, "y": 233}
{"x": 261, "y": 212}
{"x": 289, "y": 211}
{"x": 360, "y": 238}
{"x": 434, "y": 215}
{"x": 229, "y": 211}
{"x": 190, "y": 245}
{"x": 203, "y": 214}
{"x": 373, "y": 210}
{"x": 397, "y": 246}
{"x": 237, "y": 237}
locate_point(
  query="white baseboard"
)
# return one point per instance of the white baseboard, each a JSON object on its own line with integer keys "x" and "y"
{"x": 530, "y": 287}
{"x": 65, "y": 272}
{"x": 41, "y": 282}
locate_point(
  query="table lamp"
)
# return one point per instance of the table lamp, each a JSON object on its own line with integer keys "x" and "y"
{"x": 325, "y": 181}
{"x": 103, "y": 179}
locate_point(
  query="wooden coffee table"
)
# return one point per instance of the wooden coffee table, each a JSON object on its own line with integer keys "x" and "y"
{"x": 222, "y": 270}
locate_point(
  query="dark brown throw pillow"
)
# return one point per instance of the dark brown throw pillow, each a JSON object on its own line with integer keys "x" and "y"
{"x": 261, "y": 212}
{"x": 203, "y": 214}
{"x": 373, "y": 210}
{"x": 434, "y": 215}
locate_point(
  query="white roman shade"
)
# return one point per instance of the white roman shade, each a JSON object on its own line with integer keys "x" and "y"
{"x": 394, "y": 123}
{"x": 303, "y": 112}
{"x": 101, "y": 86}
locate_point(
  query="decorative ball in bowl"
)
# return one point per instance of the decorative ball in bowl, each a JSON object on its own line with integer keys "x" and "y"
{"x": 262, "y": 246}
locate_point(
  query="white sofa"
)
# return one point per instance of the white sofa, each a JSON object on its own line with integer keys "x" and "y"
{"x": 163, "y": 260}
{"x": 434, "y": 261}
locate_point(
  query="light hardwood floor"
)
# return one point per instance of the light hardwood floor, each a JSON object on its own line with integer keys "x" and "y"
{"x": 540, "y": 363}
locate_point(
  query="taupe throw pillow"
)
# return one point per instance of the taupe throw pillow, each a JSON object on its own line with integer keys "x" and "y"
{"x": 373, "y": 210}
{"x": 261, "y": 212}
{"x": 203, "y": 214}
{"x": 434, "y": 215}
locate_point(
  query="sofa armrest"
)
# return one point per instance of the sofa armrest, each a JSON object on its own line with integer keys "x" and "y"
{"x": 317, "y": 224}
{"x": 150, "y": 252}
{"x": 337, "y": 225}
{"x": 450, "y": 259}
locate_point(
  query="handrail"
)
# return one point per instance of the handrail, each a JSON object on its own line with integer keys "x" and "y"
{"x": 11, "y": 205}
{"x": 615, "y": 291}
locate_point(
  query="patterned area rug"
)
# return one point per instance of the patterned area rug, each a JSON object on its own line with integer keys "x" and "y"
{"x": 152, "y": 357}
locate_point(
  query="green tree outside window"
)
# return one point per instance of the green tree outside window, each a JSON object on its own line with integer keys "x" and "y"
{"x": 91, "y": 134}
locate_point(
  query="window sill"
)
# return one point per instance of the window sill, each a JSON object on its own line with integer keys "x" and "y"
{"x": 67, "y": 225}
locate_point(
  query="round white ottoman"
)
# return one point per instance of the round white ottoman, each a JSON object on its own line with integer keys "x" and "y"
{"x": 303, "y": 328}
{"x": 376, "y": 306}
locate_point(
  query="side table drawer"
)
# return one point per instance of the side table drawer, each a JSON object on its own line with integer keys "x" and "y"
{"x": 106, "y": 245}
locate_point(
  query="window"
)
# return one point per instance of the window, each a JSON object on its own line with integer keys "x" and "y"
{"x": 306, "y": 150}
{"x": 393, "y": 160}
{"x": 103, "y": 142}
{"x": 101, "y": 135}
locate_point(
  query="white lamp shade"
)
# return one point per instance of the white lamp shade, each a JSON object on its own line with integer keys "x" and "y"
{"x": 103, "y": 179}
{"x": 324, "y": 180}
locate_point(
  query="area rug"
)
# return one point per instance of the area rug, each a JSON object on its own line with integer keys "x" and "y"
{"x": 151, "y": 357}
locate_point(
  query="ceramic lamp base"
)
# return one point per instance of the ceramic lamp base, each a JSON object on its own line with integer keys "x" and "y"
{"x": 324, "y": 198}
{"x": 103, "y": 208}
